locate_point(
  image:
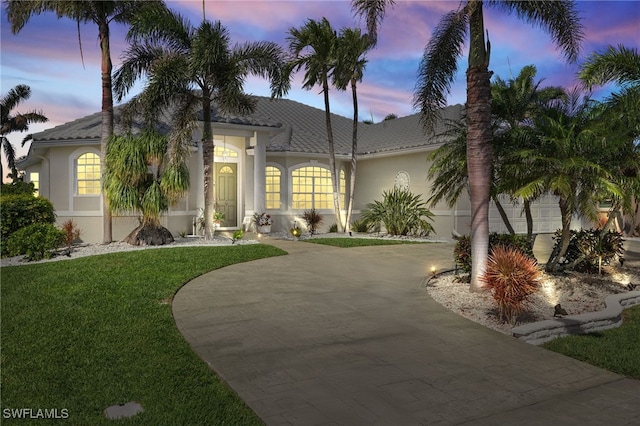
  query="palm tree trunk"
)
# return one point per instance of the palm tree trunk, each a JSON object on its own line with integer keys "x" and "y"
{"x": 107, "y": 121}
{"x": 332, "y": 154}
{"x": 479, "y": 149}
{"x": 354, "y": 150}
{"x": 556, "y": 255}
{"x": 207, "y": 160}
{"x": 527, "y": 214}
{"x": 503, "y": 215}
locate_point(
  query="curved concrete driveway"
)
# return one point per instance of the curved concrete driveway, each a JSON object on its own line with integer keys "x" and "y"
{"x": 330, "y": 336}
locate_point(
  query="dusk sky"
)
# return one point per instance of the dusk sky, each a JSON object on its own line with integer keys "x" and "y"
{"x": 45, "y": 55}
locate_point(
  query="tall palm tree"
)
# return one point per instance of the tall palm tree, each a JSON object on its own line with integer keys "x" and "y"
{"x": 350, "y": 64}
{"x": 190, "y": 69}
{"x": 436, "y": 74}
{"x": 313, "y": 47}
{"x": 15, "y": 123}
{"x": 101, "y": 13}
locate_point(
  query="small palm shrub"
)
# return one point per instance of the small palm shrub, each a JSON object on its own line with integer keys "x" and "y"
{"x": 591, "y": 249}
{"x": 462, "y": 249}
{"x": 333, "y": 227}
{"x": 512, "y": 277}
{"x": 401, "y": 213}
{"x": 37, "y": 241}
{"x": 312, "y": 218}
{"x": 361, "y": 225}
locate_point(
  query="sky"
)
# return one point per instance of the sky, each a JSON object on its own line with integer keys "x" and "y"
{"x": 45, "y": 54}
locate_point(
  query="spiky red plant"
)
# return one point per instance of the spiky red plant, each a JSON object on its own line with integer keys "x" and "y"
{"x": 512, "y": 277}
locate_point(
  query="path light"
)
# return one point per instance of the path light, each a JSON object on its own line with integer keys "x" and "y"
{"x": 433, "y": 270}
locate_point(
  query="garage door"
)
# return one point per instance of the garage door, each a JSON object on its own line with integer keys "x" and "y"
{"x": 545, "y": 212}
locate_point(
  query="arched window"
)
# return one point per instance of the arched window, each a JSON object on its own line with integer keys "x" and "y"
{"x": 272, "y": 187}
{"x": 88, "y": 174}
{"x": 311, "y": 188}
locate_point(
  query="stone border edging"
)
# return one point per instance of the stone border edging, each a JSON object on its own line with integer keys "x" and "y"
{"x": 610, "y": 317}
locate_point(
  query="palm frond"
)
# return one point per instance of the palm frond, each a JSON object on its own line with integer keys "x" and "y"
{"x": 373, "y": 12}
{"x": 438, "y": 66}
{"x": 619, "y": 65}
{"x": 559, "y": 18}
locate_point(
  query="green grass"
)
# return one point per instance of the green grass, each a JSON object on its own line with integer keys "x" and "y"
{"x": 92, "y": 332}
{"x": 616, "y": 350}
{"x": 358, "y": 242}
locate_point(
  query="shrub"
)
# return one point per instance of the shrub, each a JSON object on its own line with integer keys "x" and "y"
{"x": 36, "y": 241}
{"x": 361, "y": 225}
{"x": 71, "y": 232}
{"x": 20, "y": 210}
{"x": 462, "y": 250}
{"x": 19, "y": 187}
{"x": 512, "y": 277}
{"x": 312, "y": 218}
{"x": 590, "y": 249}
{"x": 401, "y": 212}
{"x": 333, "y": 228}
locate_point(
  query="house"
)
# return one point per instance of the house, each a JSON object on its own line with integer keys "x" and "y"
{"x": 274, "y": 160}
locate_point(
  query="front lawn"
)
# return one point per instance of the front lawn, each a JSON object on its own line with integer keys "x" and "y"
{"x": 359, "y": 242}
{"x": 616, "y": 350}
{"x": 88, "y": 333}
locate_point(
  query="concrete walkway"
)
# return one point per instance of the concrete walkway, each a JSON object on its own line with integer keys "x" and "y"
{"x": 330, "y": 336}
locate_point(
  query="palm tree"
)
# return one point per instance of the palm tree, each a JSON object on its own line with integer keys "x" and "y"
{"x": 621, "y": 115}
{"x": 568, "y": 163}
{"x": 133, "y": 181}
{"x": 515, "y": 102}
{"x": 352, "y": 46}
{"x": 514, "y": 105}
{"x": 436, "y": 74}
{"x": 15, "y": 123}
{"x": 190, "y": 69}
{"x": 313, "y": 47}
{"x": 101, "y": 13}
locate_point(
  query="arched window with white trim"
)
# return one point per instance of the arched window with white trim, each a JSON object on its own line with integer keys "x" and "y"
{"x": 87, "y": 174}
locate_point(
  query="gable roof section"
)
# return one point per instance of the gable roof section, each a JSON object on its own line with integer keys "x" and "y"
{"x": 303, "y": 129}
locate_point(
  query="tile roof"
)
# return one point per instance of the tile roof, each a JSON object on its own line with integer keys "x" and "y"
{"x": 303, "y": 129}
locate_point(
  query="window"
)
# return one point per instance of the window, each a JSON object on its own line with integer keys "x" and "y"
{"x": 224, "y": 152}
{"x": 34, "y": 178}
{"x": 311, "y": 188}
{"x": 272, "y": 187}
{"x": 343, "y": 189}
{"x": 88, "y": 174}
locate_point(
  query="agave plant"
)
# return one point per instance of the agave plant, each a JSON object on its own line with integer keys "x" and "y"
{"x": 401, "y": 213}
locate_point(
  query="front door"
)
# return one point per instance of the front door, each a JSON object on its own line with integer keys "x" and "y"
{"x": 227, "y": 193}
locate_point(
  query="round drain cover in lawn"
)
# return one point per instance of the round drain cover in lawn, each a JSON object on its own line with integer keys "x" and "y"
{"x": 129, "y": 409}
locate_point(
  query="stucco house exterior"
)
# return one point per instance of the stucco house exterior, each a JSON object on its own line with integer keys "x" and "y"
{"x": 274, "y": 160}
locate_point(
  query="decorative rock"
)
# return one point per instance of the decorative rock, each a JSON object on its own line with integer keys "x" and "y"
{"x": 129, "y": 409}
{"x": 610, "y": 317}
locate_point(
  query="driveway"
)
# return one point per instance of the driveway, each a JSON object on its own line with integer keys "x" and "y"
{"x": 331, "y": 336}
